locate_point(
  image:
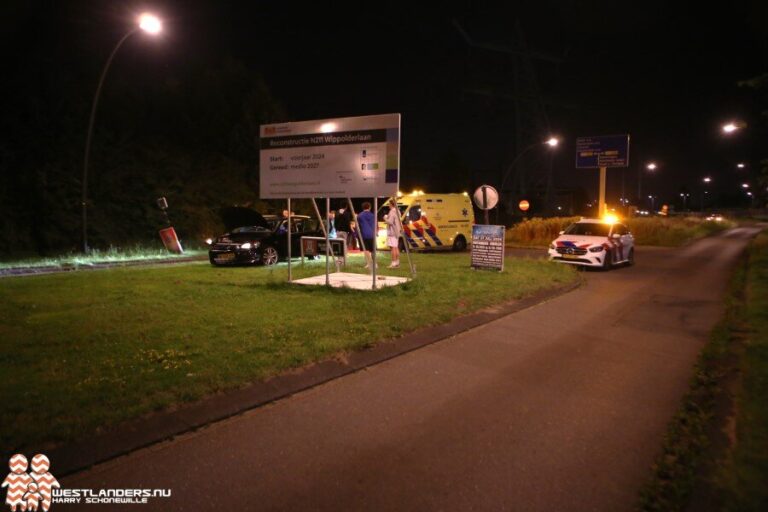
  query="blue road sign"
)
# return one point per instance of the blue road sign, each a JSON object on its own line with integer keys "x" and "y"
{"x": 603, "y": 151}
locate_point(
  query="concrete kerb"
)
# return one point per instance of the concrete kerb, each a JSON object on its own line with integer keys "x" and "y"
{"x": 165, "y": 425}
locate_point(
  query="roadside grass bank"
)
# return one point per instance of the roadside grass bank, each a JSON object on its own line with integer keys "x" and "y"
{"x": 86, "y": 351}
{"x": 137, "y": 253}
{"x": 732, "y": 369}
{"x": 662, "y": 231}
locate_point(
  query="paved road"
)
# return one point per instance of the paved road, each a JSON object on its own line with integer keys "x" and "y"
{"x": 558, "y": 407}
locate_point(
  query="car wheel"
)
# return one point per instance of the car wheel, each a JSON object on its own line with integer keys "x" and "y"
{"x": 608, "y": 261}
{"x": 269, "y": 256}
{"x": 631, "y": 257}
{"x": 460, "y": 244}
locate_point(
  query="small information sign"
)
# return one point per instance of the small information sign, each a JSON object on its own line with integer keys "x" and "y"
{"x": 488, "y": 247}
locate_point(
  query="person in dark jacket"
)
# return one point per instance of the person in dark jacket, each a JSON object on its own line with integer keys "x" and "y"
{"x": 343, "y": 220}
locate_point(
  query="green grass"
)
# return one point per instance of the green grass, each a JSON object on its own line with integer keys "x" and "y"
{"x": 83, "y": 351}
{"x": 738, "y": 346}
{"x": 663, "y": 231}
{"x": 744, "y": 479}
{"x": 95, "y": 256}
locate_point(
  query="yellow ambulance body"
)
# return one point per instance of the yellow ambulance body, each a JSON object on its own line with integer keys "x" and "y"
{"x": 432, "y": 221}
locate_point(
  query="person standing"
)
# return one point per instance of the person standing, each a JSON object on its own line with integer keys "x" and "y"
{"x": 393, "y": 233}
{"x": 343, "y": 228}
{"x": 330, "y": 224}
{"x": 366, "y": 223}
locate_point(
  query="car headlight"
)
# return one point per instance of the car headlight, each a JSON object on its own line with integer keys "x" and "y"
{"x": 250, "y": 245}
{"x": 599, "y": 248}
{"x": 209, "y": 241}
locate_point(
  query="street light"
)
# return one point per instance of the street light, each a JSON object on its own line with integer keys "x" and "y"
{"x": 653, "y": 202}
{"x": 685, "y": 196}
{"x": 733, "y": 126}
{"x": 740, "y": 165}
{"x": 706, "y": 180}
{"x": 551, "y": 142}
{"x": 651, "y": 166}
{"x": 150, "y": 24}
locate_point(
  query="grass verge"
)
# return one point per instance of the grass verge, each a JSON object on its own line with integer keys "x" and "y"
{"x": 96, "y": 257}
{"x": 84, "y": 351}
{"x": 738, "y": 346}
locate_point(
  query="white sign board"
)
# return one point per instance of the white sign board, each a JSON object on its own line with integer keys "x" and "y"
{"x": 345, "y": 157}
{"x": 488, "y": 247}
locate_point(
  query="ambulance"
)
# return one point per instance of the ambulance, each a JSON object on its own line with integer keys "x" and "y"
{"x": 431, "y": 221}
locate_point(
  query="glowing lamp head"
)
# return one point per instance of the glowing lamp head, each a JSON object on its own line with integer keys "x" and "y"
{"x": 707, "y": 179}
{"x": 651, "y": 166}
{"x": 150, "y": 23}
{"x": 730, "y": 128}
{"x": 553, "y": 141}
{"x": 740, "y": 166}
{"x": 610, "y": 218}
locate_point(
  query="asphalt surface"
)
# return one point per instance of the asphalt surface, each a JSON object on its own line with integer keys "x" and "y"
{"x": 561, "y": 406}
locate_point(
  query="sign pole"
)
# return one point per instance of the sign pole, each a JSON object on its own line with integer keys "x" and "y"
{"x": 375, "y": 239}
{"x": 601, "y": 204}
{"x": 290, "y": 277}
{"x": 327, "y": 243}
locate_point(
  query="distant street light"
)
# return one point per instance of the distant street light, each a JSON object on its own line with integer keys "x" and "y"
{"x": 685, "y": 196}
{"x": 150, "y": 24}
{"x": 653, "y": 202}
{"x": 745, "y": 185}
{"x": 740, "y": 165}
{"x": 551, "y": 142}
{"x": 706, "y": 181}
{"x": 733, "y": 126}
{"x": 651, "y": 166}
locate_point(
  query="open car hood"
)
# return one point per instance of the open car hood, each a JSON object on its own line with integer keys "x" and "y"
{"x": 238, "y": 216}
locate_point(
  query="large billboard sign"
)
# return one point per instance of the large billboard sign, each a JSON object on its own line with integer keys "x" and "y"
{"x": 604, "y": 151}
{"x": 345, "y": 157}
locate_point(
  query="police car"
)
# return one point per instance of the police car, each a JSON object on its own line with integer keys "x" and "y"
{"x": 594, "y": 243}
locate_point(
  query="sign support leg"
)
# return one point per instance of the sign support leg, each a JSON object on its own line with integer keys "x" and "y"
{"x": 602, "y": 210}
{"x": 290, "y": 276}
{"x": 375, "y": 239}
{"x": 327, "y": 243}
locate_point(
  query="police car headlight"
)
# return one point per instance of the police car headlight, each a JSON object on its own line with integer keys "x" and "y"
{"x": 599, "y": 248}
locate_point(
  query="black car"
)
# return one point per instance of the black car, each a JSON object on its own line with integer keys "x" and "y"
{"x": 263, "y": 239}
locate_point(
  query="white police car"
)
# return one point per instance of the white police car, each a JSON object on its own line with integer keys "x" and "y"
{"x": 594, "y": 243}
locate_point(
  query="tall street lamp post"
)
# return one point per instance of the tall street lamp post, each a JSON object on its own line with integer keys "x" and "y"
{"x": 151, "y": 25}
{"x": 651, "y": 166}
{"x": 551, "y": 142}
{"x": 706, "y": 181}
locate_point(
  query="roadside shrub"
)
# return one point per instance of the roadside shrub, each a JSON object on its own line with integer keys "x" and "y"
{"x": 665, "y": 231}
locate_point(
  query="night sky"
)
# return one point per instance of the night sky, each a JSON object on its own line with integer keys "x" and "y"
{"x": 668, "y": 76}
